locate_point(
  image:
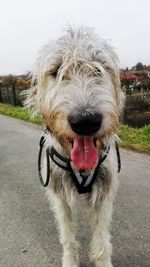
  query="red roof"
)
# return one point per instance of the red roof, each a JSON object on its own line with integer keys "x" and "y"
{"x": 127, "y": 76}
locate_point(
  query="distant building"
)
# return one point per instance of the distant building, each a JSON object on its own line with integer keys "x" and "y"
{"x": 135, "y": 79}
{"x": 124, "y": 75}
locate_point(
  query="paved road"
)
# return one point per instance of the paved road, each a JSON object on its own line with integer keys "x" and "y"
{"x": 28, "y": 235}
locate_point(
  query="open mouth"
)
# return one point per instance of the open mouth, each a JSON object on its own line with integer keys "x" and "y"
{"x": 84, "y": 153}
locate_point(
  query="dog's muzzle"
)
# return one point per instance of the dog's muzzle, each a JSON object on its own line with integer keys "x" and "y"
{"x": 82, "y": 181}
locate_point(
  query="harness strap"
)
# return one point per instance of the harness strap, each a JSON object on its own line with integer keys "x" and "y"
{"x": 58, "y": 159}
{"x": 42, "y": 141}
{"x": 82, "y": 181}
{"x": 118, "y": 156}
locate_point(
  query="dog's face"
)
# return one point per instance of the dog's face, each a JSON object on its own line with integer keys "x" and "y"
{"x": 77, "y": 91}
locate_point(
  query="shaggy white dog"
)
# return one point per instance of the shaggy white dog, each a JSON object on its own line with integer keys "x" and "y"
{"x": 76, "y": 90}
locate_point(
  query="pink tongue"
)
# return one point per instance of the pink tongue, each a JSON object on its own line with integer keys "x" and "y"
{"x": 84, "y": 153}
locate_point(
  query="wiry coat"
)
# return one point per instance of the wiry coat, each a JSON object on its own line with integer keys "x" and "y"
{"x": 77, "y": 72}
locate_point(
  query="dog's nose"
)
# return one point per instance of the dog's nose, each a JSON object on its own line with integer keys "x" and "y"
{"x": 86, "y": 123}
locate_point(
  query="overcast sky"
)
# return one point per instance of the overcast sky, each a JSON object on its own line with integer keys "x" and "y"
{"x": 26, "y": 25}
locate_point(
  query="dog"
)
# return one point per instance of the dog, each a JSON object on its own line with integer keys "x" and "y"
{"x": 76, "y": 90}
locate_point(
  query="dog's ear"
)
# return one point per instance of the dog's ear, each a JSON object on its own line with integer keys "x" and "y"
{"x": 110, "y": 62}
{"x": 114, "y": 74}
{"x": 31, "y": 98}
{"x": 41, "y": 75}
{"x": 111, "y": 65}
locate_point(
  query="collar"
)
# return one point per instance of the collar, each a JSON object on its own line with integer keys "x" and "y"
{"x": 81, "y": 179}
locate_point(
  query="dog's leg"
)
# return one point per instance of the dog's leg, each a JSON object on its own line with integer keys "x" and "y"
{"x": 100, "y": 244}
{"x": 64, "y": 214}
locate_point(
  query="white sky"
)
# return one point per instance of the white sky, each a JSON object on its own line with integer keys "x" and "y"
{"x": 26, "y": 25}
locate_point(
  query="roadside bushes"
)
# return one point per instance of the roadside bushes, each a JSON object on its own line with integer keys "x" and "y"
{"x": 137, "y": 110}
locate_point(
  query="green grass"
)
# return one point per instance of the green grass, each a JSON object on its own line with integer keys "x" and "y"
{"x": 131, "y": 138}
{"x": 135, "y": 138}
{"x": 19, "y": 113}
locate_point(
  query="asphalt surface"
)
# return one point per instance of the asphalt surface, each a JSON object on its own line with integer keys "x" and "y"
{"x": 28, "y": 233}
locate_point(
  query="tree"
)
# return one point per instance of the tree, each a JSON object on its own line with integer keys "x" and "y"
{"x": 139, "y": 66}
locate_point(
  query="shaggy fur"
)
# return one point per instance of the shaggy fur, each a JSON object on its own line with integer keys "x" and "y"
{"x": 79, "y": 71}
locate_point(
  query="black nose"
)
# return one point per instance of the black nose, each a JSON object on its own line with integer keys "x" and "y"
{"x": 85, "y": 123}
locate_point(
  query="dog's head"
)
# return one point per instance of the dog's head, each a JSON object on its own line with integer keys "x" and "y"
{"x": 76, "y": 89}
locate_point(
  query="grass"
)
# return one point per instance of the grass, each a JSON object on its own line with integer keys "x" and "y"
{"x": 19, "y": 113}
{"x": 135, "y": 138}
{"x": 131, "y": 138}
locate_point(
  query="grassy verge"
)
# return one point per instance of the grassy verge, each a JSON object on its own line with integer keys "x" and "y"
{"x": 132, "y": 138}
{"x": 135, "y": 138}
{"x": 19, "y": 113}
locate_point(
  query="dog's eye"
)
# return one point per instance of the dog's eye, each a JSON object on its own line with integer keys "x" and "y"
{"x": 53, "y": 71}
{"x": 97, "y": 72}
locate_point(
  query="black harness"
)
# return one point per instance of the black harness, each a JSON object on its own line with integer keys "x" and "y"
{"x": 82, "y": 181}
